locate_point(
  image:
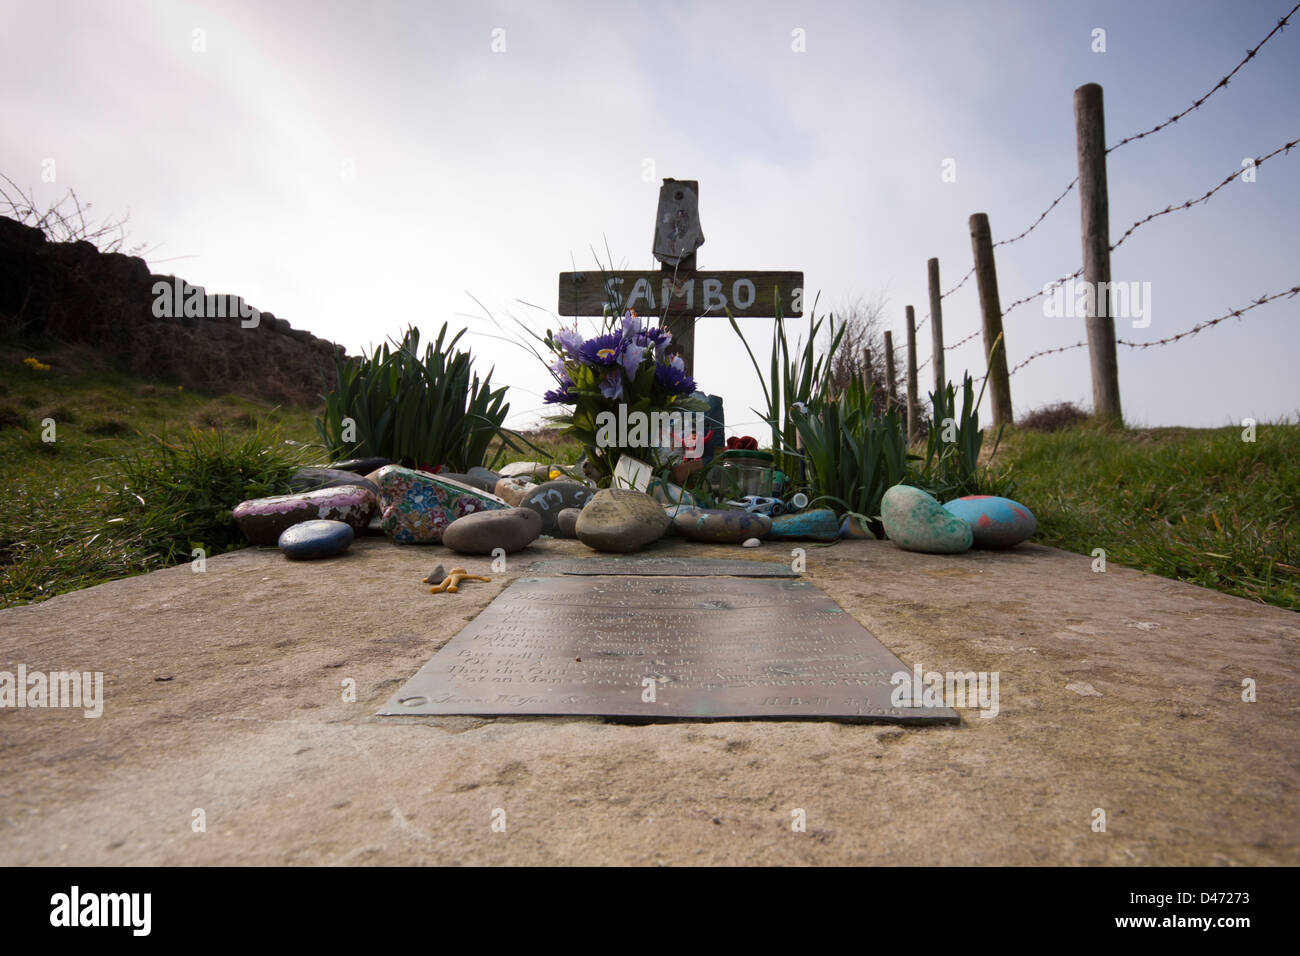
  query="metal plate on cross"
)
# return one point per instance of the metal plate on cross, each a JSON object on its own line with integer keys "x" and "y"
{"x": 677, "y": 223}
{"x": 664, "y": 648}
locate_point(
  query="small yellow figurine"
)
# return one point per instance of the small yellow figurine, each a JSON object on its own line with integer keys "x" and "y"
{"x": 450, "y": 584}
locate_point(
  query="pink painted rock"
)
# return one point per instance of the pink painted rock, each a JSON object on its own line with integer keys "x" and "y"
{"x": 263, "y": 520}
{"x": 417, "y": 506}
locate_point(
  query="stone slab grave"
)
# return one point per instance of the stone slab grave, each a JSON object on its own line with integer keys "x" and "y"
{"x": 648, "y": 648}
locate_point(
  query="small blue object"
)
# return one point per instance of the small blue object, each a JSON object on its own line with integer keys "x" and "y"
{"x": 315, "y": 539}
{"x": 994, "y": 522}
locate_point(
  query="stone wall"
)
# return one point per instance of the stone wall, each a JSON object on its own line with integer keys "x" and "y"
{"x": 72, "y": 292}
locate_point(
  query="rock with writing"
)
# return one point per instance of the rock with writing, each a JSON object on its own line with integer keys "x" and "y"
{"x": 551, "y": 497}
{"x": 621, "y": 520}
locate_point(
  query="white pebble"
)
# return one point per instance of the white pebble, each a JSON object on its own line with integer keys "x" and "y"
{"x": 750, "y": 543}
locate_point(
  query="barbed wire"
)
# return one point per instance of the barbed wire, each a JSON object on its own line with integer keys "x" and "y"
{"x": 1250, "y": 55}
{"x": 1255, "y": 304}
{"x": 1169, "y": 340}
{"x": 1196, "y": 104}
{"x": 1041, "y": 216}
{"x": 1284, "y": 148}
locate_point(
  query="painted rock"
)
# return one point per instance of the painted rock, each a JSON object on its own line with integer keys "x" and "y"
{"x": 532, "y": 470}
{"x": 994, "y": 522}
{"x": 305, "y": 479}
{"x": 853, "y": 527}
{"x": 485, "y": 531}
{"x": 263, "y": 520}
{"x": 819, "y": 524}
{"x": 483, "y": 478}
{"x": 362, "y": 466}
{"x": 417, "y": 506}
{"x": 720, "y": 525}
{"x": 914, "y": 521}
{"x": 566, "y": 523}
{"x": 513, "y": 490}
{"x": 550, "y": 498}
{"x": 315, "y": 539}
{"x": 621, "y": 520}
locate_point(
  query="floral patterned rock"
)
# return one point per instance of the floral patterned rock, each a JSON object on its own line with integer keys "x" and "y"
{"x": 263, "y": 520}
{"x": 416, "y": 506}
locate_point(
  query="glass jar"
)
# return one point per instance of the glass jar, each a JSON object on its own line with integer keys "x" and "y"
{"x": 741, "y": 472}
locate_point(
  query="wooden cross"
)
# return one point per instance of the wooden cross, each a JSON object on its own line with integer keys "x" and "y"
{"x": 677, "y": 291}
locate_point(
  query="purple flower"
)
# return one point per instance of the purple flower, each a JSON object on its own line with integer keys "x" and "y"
{"x": 611, "y": 386}
{"x": 631, "y": 325}
{"x": 602, "y": 350}
{"x": 559, "y": 395}
{"x": 632, "y": 356}
{"x": 673, "y": 378}
{"x": 569, "y": 340}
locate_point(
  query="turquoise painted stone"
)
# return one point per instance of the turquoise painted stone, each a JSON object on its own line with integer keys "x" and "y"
{"x": 853, "y": 528}
{"x": 720, "y": 525}
{"x": 994, "y": 522}
{"x": 308, "y": 540}
{"x": 914, "y": 521}
{"x": 819, "y": 524}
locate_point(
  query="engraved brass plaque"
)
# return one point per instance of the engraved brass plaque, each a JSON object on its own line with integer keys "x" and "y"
{"x": 663, "y": 649}
{"x": 677, "y": 567}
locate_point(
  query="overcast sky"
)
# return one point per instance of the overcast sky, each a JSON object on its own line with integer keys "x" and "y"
{"x": 357, "y": 167}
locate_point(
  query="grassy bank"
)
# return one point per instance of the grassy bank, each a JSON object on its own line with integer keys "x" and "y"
{"x": 56, "y": 527}
{"x": 1198, "y": 505}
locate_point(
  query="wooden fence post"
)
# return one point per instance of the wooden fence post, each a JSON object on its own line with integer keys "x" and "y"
{"x": 1094, "y": 210}
{"x": 912, "y": 416}
{"x": 891, "y": 384}
{"x": 936, "y": 327}
{"x": 986, "y": 275}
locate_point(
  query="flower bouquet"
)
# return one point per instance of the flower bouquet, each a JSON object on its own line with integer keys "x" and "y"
{"x": 628, "y": 393}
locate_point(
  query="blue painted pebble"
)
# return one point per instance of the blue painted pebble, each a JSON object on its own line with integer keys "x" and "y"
{"x": 994, "y": 522}
{"x": 315, "y": 539}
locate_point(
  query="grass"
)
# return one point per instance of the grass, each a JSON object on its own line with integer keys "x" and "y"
{"x": 57, "y": 527}
{"x": 1198, "y": 505}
